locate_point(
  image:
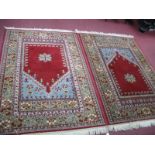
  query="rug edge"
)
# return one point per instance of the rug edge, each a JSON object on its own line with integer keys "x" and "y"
{"x": 86, "y": 131}
{"x": 116, "y": 127}
{"x": 75, "y": 31}
{"x": 105, "y": 34}
{"x": 37, "y": 29}
{"x": 104, "y": 129}
{"x": 2, "y": 52}
{"x": 132, "y": 125}
{"x": 144, "y": 55}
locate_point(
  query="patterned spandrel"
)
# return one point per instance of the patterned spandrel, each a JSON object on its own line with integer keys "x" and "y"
{"x": 32, "y": 90}
{"x": 110, "y": 53}
{"x": 44, "y": 62}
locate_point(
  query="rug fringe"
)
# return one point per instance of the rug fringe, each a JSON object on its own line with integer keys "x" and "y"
{"x": 107, "y": 34}
{"x": 76, "y": 31}
{"x": 38, "y": 29}
{"x": 105, "y": 129}
{"x": 131, "y": 125}
{"x": 87, "y": 131}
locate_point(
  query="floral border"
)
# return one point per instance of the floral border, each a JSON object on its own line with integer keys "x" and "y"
{"x": 10, "y": 123}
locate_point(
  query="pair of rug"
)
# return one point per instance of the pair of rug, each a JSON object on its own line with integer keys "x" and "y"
{"x": 67, "y": 82}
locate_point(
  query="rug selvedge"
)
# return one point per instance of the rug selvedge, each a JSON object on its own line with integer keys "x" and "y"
{"x": 22, "y": 110}
{"x": 129, "y": 106}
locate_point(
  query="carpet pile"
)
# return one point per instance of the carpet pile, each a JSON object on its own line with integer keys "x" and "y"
{"x": 67, "y": 82}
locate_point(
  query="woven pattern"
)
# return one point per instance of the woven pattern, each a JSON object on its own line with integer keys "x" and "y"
{"x": 80, "y": 82}
{"x": 45, "y": 85}
{"x": 124, "y": 78}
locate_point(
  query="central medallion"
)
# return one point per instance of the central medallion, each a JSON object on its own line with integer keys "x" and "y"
{"x": 45, "y": 57}
{"x": 130, "y": 78}
{"x": 45, "y": 63}
{"x": 127, "y": 76}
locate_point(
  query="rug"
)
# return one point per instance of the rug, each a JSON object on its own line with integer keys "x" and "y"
{"x": 45, "y": 84}
{"x": 125, "y": 80}
{"x": 72, "y": 82}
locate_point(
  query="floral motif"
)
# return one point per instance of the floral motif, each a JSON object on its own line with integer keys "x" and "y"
{"x": 17, "y": 123}
{"x": 101, "y": 51}
{"x": 51, "y": 122}
{"x": 5, "y": 124}
{"x": 45, "y": 57}
{"x": 130, "y": 78}
{"x": 6, "y": 107}
{"x": 72, "y": 102}
{"x": 146, "y": 111}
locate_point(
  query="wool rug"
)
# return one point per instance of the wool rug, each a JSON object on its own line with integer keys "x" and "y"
{"x": 125, "y": 80}
{"x": 45, "y": 84}
{"x": 72, "y": 82}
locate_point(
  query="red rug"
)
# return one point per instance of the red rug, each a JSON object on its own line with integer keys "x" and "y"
{"x": 125, "y": 81}
{"x": 45, "y": 84}
{"x": 73, "y": 83}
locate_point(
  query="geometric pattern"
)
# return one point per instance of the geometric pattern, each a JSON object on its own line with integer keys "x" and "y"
{"x": 31, "y": 90}
{"x": 45, "y": 73}
{"x": 128, "y": 78}
{"x": 46, "y": 78}
{"x": 124, "y": 79}
{"x": 109, "y": 53}
{"x": 45, "y": 84}
{"x": 45, "y": 63}
{"x": 57, "y": 81}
